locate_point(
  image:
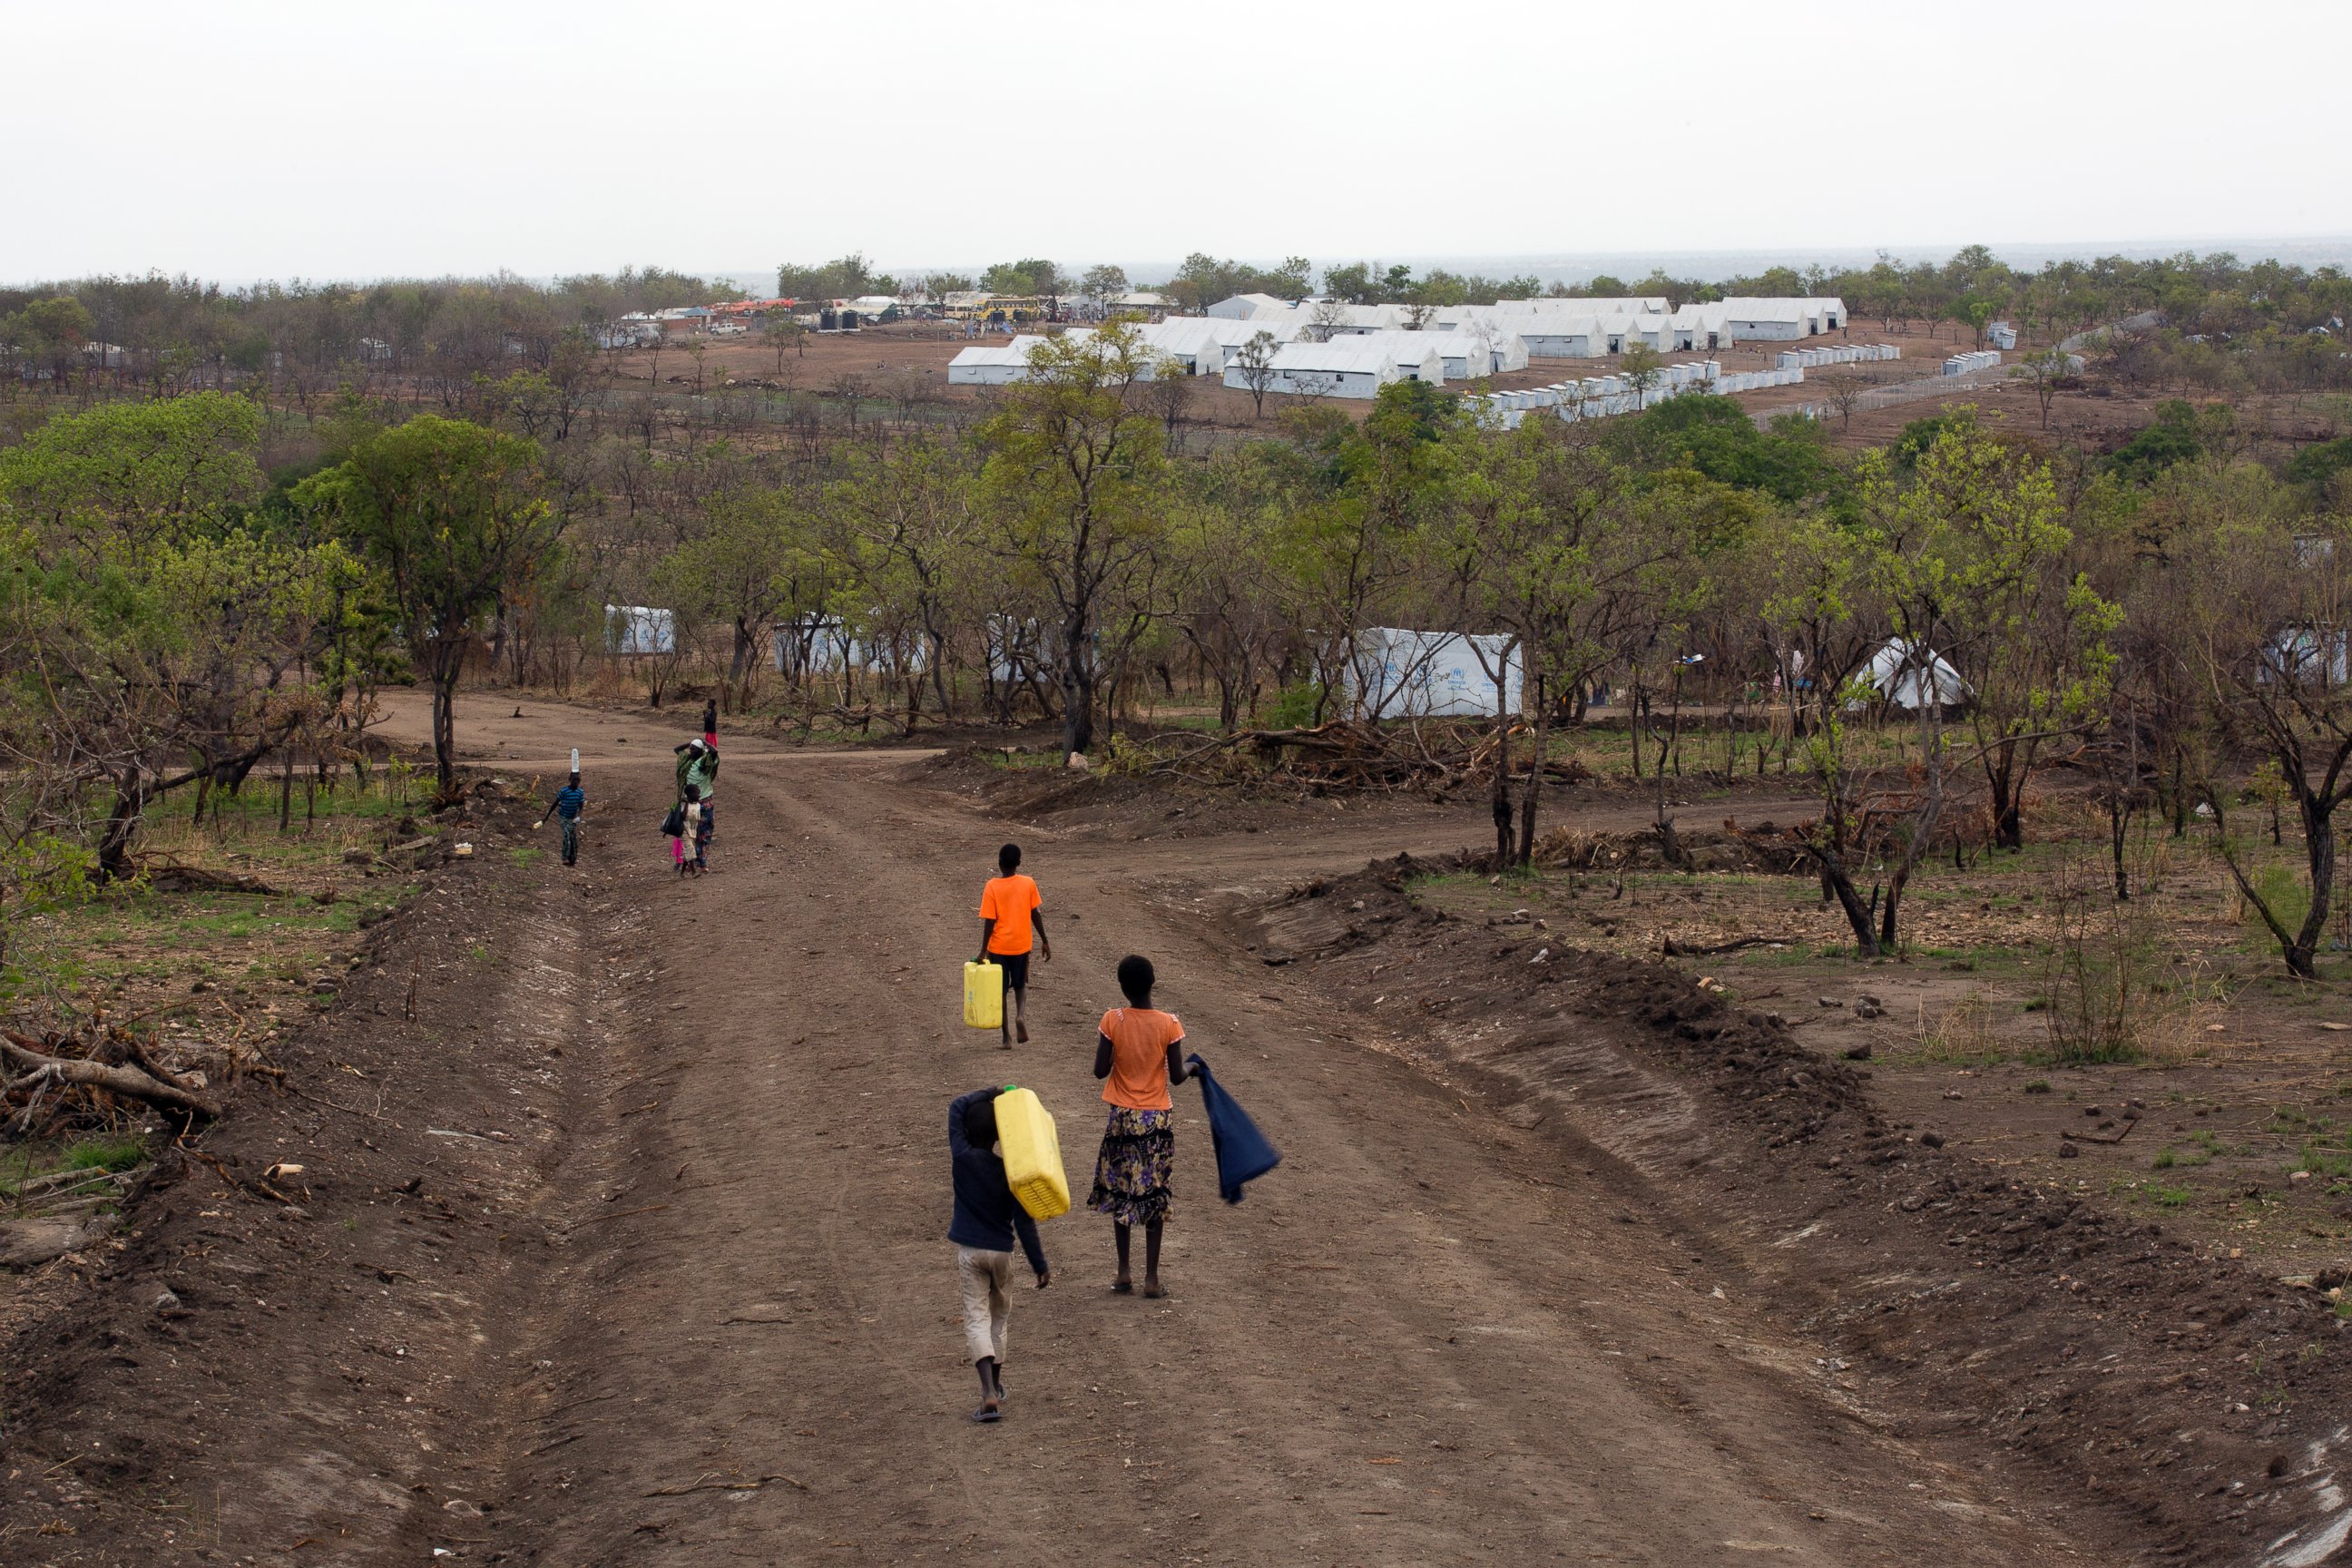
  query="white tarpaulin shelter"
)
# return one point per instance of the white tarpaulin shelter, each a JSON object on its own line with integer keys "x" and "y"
{"x": 1909, "y": 678}
{"x": 993, "y": 364}
{"x": 640, "y": 629}
{"x": 1429, "y": 674}
{"x": 1343, "y": 368}
{"x": 1241, "y": 307}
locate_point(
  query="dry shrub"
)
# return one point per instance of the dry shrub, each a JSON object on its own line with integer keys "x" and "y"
{"x": 1967, "y": 1033}
{"x": 2111, "y": 991}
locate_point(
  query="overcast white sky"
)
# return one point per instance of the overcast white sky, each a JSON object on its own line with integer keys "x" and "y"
{"x": 334, "y": 139}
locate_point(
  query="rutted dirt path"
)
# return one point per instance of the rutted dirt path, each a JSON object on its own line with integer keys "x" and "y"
{"x": 721, "y": 1320}
{"x": 1419, "y": 1342}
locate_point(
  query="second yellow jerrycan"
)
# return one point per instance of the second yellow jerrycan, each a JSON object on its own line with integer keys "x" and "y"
{"x": 1033, "y": 1154}
{"x": 983, "y": 995}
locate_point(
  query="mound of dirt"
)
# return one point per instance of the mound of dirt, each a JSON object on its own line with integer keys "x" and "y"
{"x": 316, "y": 1296}
{"x": 2203, "y": 1401}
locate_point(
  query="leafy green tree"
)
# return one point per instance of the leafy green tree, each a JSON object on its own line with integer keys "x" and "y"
{"x": 1074, "y": 468}
{"x": 2261, "y": 601}
{"x": 1103, "y": 283}
{"x": 1641, "y": 367}
{"x": 1565, "y": 553}
{"x": 456, "y": 518}
{"x": 1353, "y": 283}
{"x": 160, "y": 632}
{"x": 739, "y": 570}
{"x": 843, "y": 278}
{"x": 2172, "y": 438}
{"x": 49, "y": 333}
{"x": 1203, "y": 281}
{"x": 914, "y": 528}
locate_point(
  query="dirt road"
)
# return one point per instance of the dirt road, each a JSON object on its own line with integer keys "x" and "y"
{"x": 619, "y": 1239}
{"x": 1420, "y": 1341}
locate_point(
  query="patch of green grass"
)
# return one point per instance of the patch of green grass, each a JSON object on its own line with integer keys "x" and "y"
{"x": 479, "y": 953}
{"x": 2332, "y": 1160}
{"x": 2170, "y": 1197}
{"x": 2164, "y": 1161}
{"x": 106, "y": 1153}
{"x": 524, "y": 854}
{"x": 2038, "y": 1086}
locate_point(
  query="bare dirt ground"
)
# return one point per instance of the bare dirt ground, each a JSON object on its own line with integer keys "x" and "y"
{"x": 619, "y": 1239}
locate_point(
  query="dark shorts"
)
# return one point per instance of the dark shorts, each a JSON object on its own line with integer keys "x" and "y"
{"x": 1016, "y": 969}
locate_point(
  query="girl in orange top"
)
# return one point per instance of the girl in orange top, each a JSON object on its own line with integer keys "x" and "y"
{"x": 1137, "y": 1054}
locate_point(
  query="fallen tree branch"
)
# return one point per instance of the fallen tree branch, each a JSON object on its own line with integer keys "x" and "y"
{"x": 132, "y": 1082}
{"x": 1674, "y": 949}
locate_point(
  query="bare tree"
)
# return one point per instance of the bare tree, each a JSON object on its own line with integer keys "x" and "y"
{"x": 1253, "y": 362}
{"x": 1170, "y": 394}
{"x": 1843, "y": 390}
{"x": 2045, "y": 372}
{"x": 1325, "y": 319}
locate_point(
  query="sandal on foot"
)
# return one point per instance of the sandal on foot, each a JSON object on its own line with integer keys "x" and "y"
{"x": 1122, "y": 1287}
{"x": 985, "y": 1415}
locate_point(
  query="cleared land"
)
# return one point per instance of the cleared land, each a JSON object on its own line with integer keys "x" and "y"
{"x": 625, "y": 1247}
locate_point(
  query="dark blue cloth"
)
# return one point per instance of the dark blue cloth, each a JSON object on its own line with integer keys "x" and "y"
{"x": 568, "y": 800}
{"x": 1244, "y": 1154}
{"x": 987, "y": 1215}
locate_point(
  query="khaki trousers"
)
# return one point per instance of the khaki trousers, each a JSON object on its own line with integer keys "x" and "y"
{"x": 987, "y": 1281}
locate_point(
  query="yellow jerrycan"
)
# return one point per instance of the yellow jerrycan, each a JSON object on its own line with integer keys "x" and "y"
{"x": 1033, "y": 1155}
{"x": 983, "y": 995}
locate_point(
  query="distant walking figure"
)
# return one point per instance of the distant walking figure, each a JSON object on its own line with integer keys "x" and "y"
{"x": 698, "y": 768}
{"x": 1012, "y": 922}
{"x": 568, "y": 802}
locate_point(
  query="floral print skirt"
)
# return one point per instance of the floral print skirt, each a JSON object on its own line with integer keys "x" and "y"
{"x": 1139, "y": 1150}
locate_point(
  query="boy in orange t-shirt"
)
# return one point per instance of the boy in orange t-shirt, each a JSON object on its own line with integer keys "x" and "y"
{"x": 1010, "y": 923}
{"x": 1138, "y": 1053}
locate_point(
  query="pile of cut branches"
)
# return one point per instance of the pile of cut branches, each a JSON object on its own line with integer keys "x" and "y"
{"x": 1429, "y": 757}
{"x": 58, "y": 1084}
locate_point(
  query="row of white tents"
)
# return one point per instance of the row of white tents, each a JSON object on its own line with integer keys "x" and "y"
{"x": 1963, "y": 364}
{"x": 1604, "y": 397}
{"x": 1570, "y": 329}
{"x": 1354, "y": 364}
{"x": 1836, "y": 353}
{"x": 1399, "y": 673}
{"x": 1326, "y": 348}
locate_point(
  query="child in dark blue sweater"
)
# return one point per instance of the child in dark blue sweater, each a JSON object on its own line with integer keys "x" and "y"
{"x": 987, "y": 1219}
{"x": 568, "y": 802}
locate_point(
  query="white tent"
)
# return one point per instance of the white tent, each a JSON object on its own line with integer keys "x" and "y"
{"x": 1700, "y": 326}
{"x": 1345, "y": 368}
{"x": 1909, "y": 678}
{"x": 1400, "y": 674}
{"x": 1630, "y": 305}
{"x": 1205, "y": 345}
{"x": 1781, "y": 319}
{"x": 1241, "y": 307}
{"x": 640, "y": 629}
{"x": 992, "y": 365}
{"x": 1554, "y": 336}
{"x": 1461, "y": 356}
